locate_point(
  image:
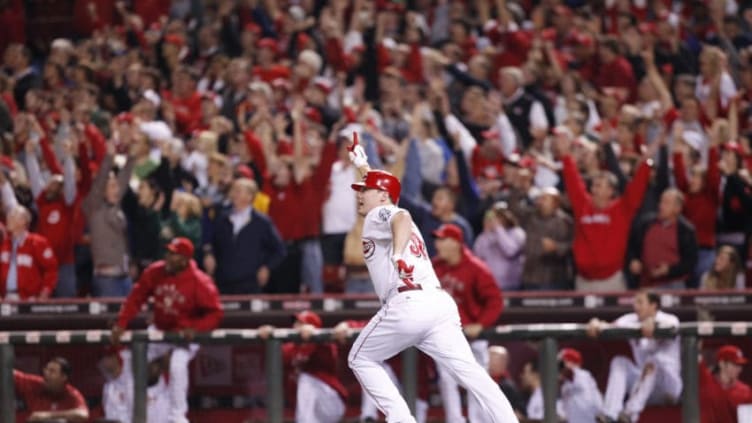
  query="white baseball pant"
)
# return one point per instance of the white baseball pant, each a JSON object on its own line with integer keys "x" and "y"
{"x": 427, "y": 319}
{"x": 317, "y": 402}
{"x": 177, "y": 387}
{"x": 368, "y": 407}
{"x": 450, "y": 394}
{"x": 656, "y": 387}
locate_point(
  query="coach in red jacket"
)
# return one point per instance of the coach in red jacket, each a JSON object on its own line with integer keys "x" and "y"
{"x": 185, "y": 300}
{"x": 472, "y": 285}
{"x": 28, "y": 268}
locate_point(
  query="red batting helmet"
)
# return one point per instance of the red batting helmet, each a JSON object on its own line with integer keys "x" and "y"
{"x": 381, "y": 180}
{"x": 309, "y": 317}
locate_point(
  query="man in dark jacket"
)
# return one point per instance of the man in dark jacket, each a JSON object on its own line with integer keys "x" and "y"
{"x": 663, "y": 248}
{"x": 245, "y": 246}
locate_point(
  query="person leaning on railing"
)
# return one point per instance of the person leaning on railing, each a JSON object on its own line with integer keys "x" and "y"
{"x": 50, "y": 397}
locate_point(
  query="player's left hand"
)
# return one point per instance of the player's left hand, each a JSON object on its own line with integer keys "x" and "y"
{"x": 473, "y": 330}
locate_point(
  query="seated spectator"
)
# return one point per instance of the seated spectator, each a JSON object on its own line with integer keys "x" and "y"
{"x": 721, "y": 390}
{"x": 50, "y": 397}
{"x": 663, "y": 249}
{"x": 548, "y": 243}
{"x": 727, "y": 271}
{"x": 654, "y": 376}
{"x": 28, "y": 267}
{"x": 500, "y": 245}
{"x": 320, "y": 394}
{"x": 498, "y": 363}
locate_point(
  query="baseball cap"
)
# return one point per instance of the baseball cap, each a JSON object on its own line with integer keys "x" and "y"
{"x": 570, "y": 355}
{"x": 181, "y": 246}
{"x": 730, "y": 353}
{"x": 449, "y": 230}
{"x": 309, "y": 317}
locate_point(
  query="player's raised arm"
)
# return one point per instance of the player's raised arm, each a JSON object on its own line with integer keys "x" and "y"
{"x": 358, "y": 156}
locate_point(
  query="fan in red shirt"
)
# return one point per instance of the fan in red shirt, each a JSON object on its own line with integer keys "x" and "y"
{"x": 320, "y": 394}
{"x": 28, "y": 268}
{"x": 185, "y": 301}
{"x": 615, "y": 71}
{"x": 723, "y": 392}
{"x": 472, "y": 285}
{"x": 49, "y": 397}
{"x": 185, "y": 101}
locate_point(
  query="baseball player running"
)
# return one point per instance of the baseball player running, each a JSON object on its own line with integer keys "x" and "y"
{"x": 654, "y": 377}
{"x": 415, "y": 310}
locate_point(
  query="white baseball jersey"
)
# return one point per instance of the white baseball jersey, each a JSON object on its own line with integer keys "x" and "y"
{"x": 664, "y": 352}
{"x": 378, "y": 252}
{"x": 117, "y": 396}
{"x": 534, "y": 407}
{"x": 581, "y": 400}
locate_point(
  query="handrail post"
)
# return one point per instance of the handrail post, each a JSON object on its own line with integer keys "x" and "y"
{"x": 140, "y": 366}
{"x": 549, "y": 378}
{"x": 690, "y": 374}
{"x": 274, "y": 379}
{"x": 410, "y": 377}
{"x": 7, "y": 389}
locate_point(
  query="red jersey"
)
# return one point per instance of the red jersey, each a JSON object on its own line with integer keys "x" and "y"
{"x": 36, "y": 266}
{"x": 55, "y": 223}
{"x": 473, "y": 288}
{"x": 187, "y": 111}
{"x": 31, "y": 389}
{"x": 600, "y": 237}
{"x": 618, "y": 73}
{"x": 186, "y": 300}
{"x": 318, "y": 360}
{"x": 719, "y": 404}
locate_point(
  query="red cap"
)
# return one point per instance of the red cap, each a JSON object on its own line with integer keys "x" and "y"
{"x": 252, "y": 27}
{"x": 449, "y": 230}
{"x": 7, "y": 162}
{"x": 570, "y": 355}
{"x": 182, "y": 246}
{"x": 381, "y": 180}
{"x": 314, "y": 114}
{"x": 124, "y": 117}
{"x": 245, "y": 172}
{"x": 733, "y": 146}
{"x": 730, "y": 353}
{"x": 269, "y": 43}
{"x": 323, "y": 84}
{"x": 309, "y": 317}
{"x": 527, "y": 162}
{"x": 174, "y": 39}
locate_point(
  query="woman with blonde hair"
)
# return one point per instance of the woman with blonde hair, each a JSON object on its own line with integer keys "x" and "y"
{"x": 184, "y": 219}
{"x": 726, "y": 271}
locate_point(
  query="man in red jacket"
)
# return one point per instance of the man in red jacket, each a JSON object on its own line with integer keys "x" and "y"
{"x": 50, "y": 397}
{"x": 28, "y": 268}
{"x": 320, "y": 396}
{"x": 473, "y": 287}
{"x": 723, "y": 392}
{"x": 185, "y": 301}
{"x": 602, "y": 223}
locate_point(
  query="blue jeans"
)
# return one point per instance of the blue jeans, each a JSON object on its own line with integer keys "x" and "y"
{"x": 705, "y": 259}
{"x": 66, "y": 281}
{"x": 107, "y": 286}
{"x": 312, "y": 265}
{"x": 359, "y": 286}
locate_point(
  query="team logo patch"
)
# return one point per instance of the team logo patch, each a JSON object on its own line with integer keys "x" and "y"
{"x": 369, "y": 247}
{"x": 384, "y": 215}
{"x": 47, "y": 253}
{"x": 54, "y": 217}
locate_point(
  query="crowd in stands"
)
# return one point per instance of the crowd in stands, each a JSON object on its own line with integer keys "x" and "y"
{"x": 578, "y": 145}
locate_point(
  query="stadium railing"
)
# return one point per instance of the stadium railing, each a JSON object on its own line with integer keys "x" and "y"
{"x": 548, "y": 334}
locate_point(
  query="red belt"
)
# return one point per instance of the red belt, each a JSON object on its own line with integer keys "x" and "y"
{"x": 404, "y": 288}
